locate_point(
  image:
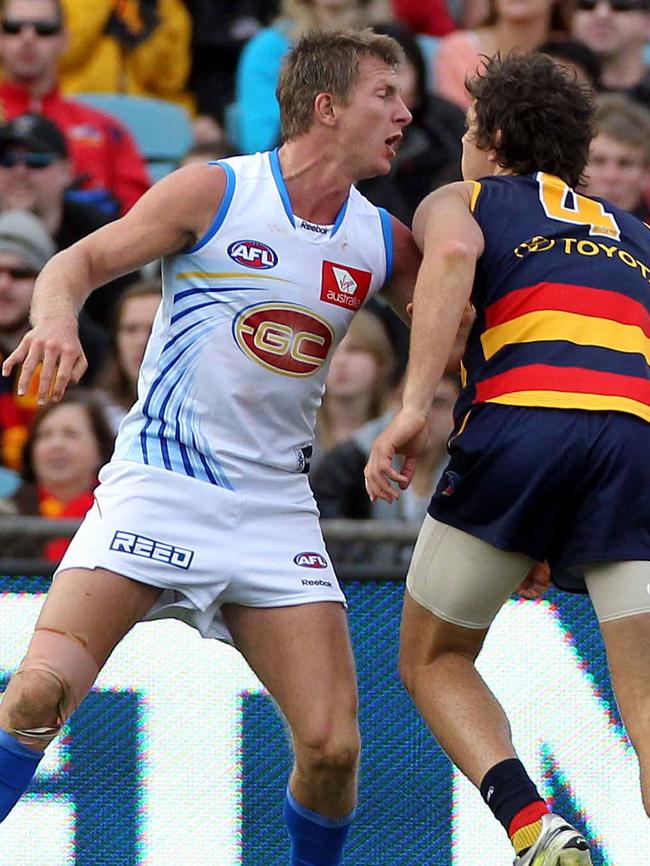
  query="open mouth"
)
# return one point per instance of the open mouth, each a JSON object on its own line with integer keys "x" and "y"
{"x": 392, "y": 143}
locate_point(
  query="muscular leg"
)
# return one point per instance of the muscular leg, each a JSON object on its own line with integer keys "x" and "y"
{"x": 84, "y": 616}
{"x": 303, "y": 656}
{"x": 437, "y": 668}
{"x": 619, "y": 594}
{"x": 455, "y": 587}
{"x": 96, "y": 608}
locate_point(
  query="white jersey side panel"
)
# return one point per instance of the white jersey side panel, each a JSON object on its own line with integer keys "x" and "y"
{"x": 233, "y": 373}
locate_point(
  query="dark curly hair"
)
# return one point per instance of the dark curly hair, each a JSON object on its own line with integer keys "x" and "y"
{"x": 534, "y": 114}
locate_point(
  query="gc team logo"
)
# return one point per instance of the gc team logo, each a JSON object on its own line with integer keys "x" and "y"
{"x": 253, "y": 254}
{"x": 284, "y": 338}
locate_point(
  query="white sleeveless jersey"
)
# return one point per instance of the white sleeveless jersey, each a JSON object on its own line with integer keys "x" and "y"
{"x": 235, "y": 367}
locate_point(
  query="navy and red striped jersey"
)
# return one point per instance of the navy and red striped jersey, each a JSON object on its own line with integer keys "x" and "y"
{"x": 562, "y": 294}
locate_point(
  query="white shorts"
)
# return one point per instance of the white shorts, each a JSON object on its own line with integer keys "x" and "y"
{"x": 205, "y": 545}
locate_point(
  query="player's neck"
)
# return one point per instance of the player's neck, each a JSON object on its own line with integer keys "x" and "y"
{"x": 316, "y": 184}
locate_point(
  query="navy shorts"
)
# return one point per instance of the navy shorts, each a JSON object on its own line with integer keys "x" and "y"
{"x": 569, "y": 486}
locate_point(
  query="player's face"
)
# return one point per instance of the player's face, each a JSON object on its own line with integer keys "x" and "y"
{"x": 475, "y": 163}
{"x": 616, "y": 171}
{"x": 27, "y": 54}
{"x": 66, "y": 451}
{"x": 17, "y": 278}
{"x": 610, "y": 32}
{"x": 370, "y": 124}
{"x": 133, "y": 330}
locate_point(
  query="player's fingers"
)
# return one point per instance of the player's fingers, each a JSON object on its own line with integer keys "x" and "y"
{"x": 50, "y": 362}
{"x": 31, "y": 361}
{"x": 16, "y": 357}
{"x": 407, "y": 472}
{"x": 64, "y": 372}
{"x": 80, "y": 367}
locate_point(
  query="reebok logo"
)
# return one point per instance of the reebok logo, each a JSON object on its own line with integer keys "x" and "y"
{"x": 315, "y": 582}
{"x": 314, "y": 227}
{"x": 344, "y": 286}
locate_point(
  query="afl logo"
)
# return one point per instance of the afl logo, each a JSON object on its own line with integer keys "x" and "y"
{"x": 284, "y": 338}
{"x": 253, "y": 254}
{"x": 308, "y": 559}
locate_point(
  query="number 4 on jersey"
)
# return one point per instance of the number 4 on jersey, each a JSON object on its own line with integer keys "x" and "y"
{"x": 554, "y": 195}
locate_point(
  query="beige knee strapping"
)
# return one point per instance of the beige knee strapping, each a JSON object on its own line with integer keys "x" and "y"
{"x": 69, "y": 662}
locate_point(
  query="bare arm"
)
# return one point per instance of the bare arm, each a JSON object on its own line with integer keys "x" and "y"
{"x": 169, "y": 217}
{"x": 452, "y": 243}
{"x": 398, "y": 291}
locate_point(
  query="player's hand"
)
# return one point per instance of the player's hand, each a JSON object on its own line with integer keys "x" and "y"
{"x": 406, "y": 435}
{"x": 57, "y": 349}
{"x": 536, "y": 582}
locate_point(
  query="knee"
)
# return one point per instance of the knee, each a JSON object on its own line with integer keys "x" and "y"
{"x": 32, "y": 700}
{"x": 326, "y": 753}
{"x": 440, "y": 664}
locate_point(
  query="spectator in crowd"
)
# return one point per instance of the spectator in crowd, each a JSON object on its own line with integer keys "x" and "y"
{"x": 425, "y": 16}
{"x": 35, "y": 174}
{"x": 25, "y": 247}
{"x": 133, "y": 319}
{"x": 258, "y": 113}
{"x": 510, "y": 25}
{"x": 617, "y": 31}
{"x": 358, "y": 383}
{"x": 68, "y": 443}
{"x": 575, "y": 55}
{"x": 429, "y": 154}
{"x": 221, "y": 28}
{"x": 207, "y": 151}
{"x": 338, "y": 481}
{"x": 619, "y": 158}
{"x": 107, "y": 166}
{"x": 141, "y": 48}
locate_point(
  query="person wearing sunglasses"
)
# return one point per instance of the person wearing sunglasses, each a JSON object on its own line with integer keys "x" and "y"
{"x": 617, "y": 31}
{"x": 37, "y": 174}
{"x": 33, "y": 39}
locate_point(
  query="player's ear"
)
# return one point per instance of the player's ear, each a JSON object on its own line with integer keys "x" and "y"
{"x": 325, "y": 108}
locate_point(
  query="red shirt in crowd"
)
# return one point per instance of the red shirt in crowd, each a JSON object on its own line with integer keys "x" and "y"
{"x": 103, "y": 152}
{"x": 425, "y": 16}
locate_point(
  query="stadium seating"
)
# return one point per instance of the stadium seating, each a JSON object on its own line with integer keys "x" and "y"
{"x": 162, "y": 130}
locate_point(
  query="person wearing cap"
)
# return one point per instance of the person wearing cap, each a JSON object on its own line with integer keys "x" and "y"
{"x": 617, "y": 31}
{"x": 36, "y": 175}
{"x": 104, "y": 156}
{"x": 25, "y": 247}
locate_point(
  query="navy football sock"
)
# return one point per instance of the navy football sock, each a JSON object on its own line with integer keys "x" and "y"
{"x": 18, "y": 764}
{"x": 315, "y": 839}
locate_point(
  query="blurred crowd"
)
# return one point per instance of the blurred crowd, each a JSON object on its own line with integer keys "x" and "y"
{"x": 67, "y": 167}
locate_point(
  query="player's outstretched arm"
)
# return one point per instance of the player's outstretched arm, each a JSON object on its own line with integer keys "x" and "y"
{"x": 452, "y": 242}
{"x": 172, "y": 215}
